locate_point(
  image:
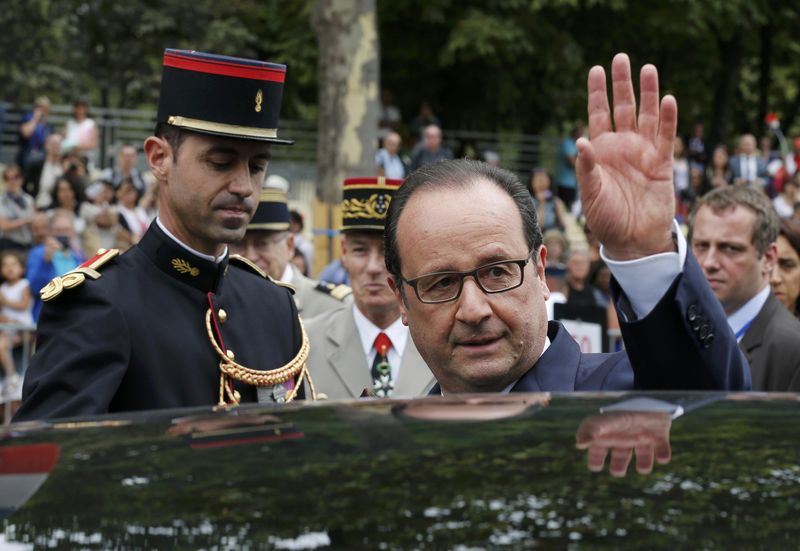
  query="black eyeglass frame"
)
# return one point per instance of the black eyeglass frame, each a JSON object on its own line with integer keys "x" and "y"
{"x": 474, "y": 273}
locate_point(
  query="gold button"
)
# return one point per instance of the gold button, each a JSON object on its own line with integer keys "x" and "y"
{"x": 223, "y": 316}
{"x": 230, "y": 354}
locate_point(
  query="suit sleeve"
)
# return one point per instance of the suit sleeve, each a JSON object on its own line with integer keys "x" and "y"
{"x": 83, "y": 351}
{"x": 685, "y": 342}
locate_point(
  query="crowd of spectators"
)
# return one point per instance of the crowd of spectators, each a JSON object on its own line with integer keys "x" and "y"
{"x": 57, "y": 208}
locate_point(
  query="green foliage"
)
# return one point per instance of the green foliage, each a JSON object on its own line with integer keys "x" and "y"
{"x": 517, "y": 65}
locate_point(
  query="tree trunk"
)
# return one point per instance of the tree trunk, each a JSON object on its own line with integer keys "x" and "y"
{"x": 731, "y": 53}
{"x": 764, "y": 77}
{"x": 349, "y": 108}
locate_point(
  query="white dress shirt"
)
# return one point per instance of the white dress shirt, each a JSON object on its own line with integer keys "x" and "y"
{"x": 741, "y": 319}
{"x": 368, "y": 332}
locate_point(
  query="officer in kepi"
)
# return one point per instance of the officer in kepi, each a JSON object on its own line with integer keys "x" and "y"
{"x": 269, "y": 244}
{"x": 177, "y": 321}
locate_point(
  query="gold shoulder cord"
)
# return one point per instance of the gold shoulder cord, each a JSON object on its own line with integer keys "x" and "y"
{"x": 231, "y": 370}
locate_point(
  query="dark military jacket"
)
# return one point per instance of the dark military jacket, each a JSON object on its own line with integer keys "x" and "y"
{"x": 136, "y": 337}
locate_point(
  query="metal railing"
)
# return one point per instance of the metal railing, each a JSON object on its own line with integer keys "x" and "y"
{"x": 518, "y": 152}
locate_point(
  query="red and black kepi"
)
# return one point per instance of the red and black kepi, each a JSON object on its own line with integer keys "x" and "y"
{"x": 221, "y": 95}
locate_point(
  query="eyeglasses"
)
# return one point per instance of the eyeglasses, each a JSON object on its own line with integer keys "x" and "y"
{"x": 495, "y": 277}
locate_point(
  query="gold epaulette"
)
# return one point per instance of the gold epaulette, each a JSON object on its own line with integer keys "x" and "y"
{"x": 339, "y": 292}
{"x": 75, "y": 277}
{"x": 250, "y": 265}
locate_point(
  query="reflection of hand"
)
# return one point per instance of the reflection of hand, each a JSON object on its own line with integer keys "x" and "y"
{"x": 625, "y": 173}
{"x": 624, "y": 432}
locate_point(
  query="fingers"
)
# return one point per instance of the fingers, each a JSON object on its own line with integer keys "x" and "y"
{"x": 595, "y": 458}
{"x": 665, "y": 142}
{"x": 663, "y": 452}
{"x": 624, "y": 100}
{"x": 644, "y": 459}
{"x": 620, "y": 458}
{"x": 586, "y": 170}
{"x": 599, "y": 110}
{"x": 648, "y": 103}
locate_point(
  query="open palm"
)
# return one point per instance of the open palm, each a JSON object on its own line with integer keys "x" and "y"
{"x": 625, "y": 172}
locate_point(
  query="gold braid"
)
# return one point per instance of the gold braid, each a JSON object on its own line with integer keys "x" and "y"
{"x": 229, "y": 368}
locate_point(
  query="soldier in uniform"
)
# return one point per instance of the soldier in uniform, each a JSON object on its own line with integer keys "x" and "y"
{"x": 366, "y": 346}
{"x": 176, "y": 321}
{"x": 269, "y": 244}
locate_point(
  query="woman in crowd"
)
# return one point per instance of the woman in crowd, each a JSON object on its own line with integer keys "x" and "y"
{"x": 785, "y": 200}
{"x": 550, "y": 210}
{"x": 80, "y": 133}
{"x": 133, "y": 218}
{"x": 16, "y": 211}
{"x": 69, "y": 196}
{"x": 680, "y": 165}
{"x": 718, "y": 173}
{"x": 785, "y": 279}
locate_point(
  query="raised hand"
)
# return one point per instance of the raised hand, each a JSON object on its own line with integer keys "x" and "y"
{"x": 625, "y": 172}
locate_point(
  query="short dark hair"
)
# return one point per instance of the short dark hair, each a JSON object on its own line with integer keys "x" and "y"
{"x": 172, "y": 135}
{"x": 456, "y": 175}
{"x": 790, "y": 229}
{"x": 765, "y": 227}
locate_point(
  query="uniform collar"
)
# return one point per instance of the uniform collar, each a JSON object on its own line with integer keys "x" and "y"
{"x": 181, "y": 263}
{"x": 368, "y": 331}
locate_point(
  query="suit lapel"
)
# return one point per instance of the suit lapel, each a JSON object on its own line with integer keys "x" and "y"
{"x": 346, "y": 357}
{"x": 557, "y": 369}
{"x": 754, "y": 337}
{"x": 414, "y": 377}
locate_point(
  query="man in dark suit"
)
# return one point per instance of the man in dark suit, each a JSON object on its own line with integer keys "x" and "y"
{"x": 176, "y": 321}
{"x": 733, "y": 234}
{"x": 467, "y": 266}
{"x": 747, "y": 166}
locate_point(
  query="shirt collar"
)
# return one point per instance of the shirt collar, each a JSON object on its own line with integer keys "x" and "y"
{"x": 747, "y": 313}
{"x": 288, "y": 274}
{"x": 210, "y": 258}
{"x": 368, "y": 331}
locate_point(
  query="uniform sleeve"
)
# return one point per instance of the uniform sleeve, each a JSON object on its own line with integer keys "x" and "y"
{"x": 83, "y": 351}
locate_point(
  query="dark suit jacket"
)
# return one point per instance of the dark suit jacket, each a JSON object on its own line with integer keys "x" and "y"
{"x": 772, "y": 346}
{"x": 685, "y": 343}
{"x": 735, "y": 164}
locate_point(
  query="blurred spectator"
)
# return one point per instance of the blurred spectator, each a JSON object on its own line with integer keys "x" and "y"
{"x": 132, "y": 218}
{"x": 40, "y": 227}
{"x": 790, "y": 165}
{"x": 33, "y": 132}
{"x": 785, "y": 279}
{"x": 149, "y": 202}
{"x": 101, "y": 218}
{"x": 425, "y": 118}
{"x": 565, "y": 167}
{"x": 391, "y": 118}
{"x": 334, "y": 272}
{"x": 785, "y": 200}
{"x": 718, "y": 172}
{"x": 69, "y": 196}
{"x": 42, "y": 174}
{"x": 298, "y": 260}
{"x": 126, "y": 169}
{"x": 696, "y": 146}
{"x": 680, "y": 165}
{"x": 59, "y": 253}
{"x": 16, "y": 302}
{"x": 550, "y": 210}
{"x": 491, "y": 157}
{"x": 556, "y": 267}
{"x": 296, "y": 226}
{"x": 80, "y": 133}
{"x": 687, "y": 197}
{"x": 75, "y": 170}
{"x": 16, "y": 210}
{"x": 431, "y": 149}
{"x": 732, "y": 234}
{"x": 388, "y": 158}
{"x": 748, "y": 167}
{"x": 579, "y": 291}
